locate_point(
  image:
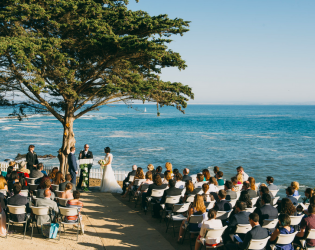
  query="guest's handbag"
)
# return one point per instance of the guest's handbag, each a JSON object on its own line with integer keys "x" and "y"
{"x": 50, "y": 230}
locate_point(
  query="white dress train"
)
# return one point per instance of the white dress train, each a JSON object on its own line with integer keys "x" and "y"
{"x": 109, "y": 183}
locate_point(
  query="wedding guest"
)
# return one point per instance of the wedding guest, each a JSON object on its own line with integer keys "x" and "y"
{"x": 206, "y": 193}
{"x": 139, "y": 176}
{"x": 41, "y": 168}
{"x": 167, "y": 177}
{"x": 23, "y": 169}
{"x": 244, "y": 196}
{"x": 241, "y": 171}
{"x": 290, "y": 192}
{"x": 199, "y": 182}
{"x": 58, "y": 179}
{"x": 222, "y": 205}
{"x": 67, "y": 194}
{"x": 169, "y": 167}
{"x": 73, "y": 168}
{"x": 18, "y": 200}
{"x": 62, "y": 185}
{"x": 246, "y": 187}
{"x": 284, "y": 228}
{"x": 46, "y": 202}
{"x": 230, "y": 195}
{"x": 14, "y": 178}
{"x": 126, "y": 180}
{"x": 85, "y": 154}
{"x": 9, "y": 172}
{"x": 206, "y": 175}
{"x": 270, "y": 185}
{"x": 3, "y": 226}
{"x": 36, "y": 173}
{"x": 306, "y": 225}
{"x": 46, "y": 185}
{"x": 212, "y": 222}
{"x": 53, "y": 173}
{"x": 157, "y": 184}
{"x": 287, "y": 207}
{"x": 262, "y": 190}
{"x": 197, "y": 208}
{"x": 295, "y": 185}
{"x": 239, "y": 178}
{"x": 309, "y": 193}
{"x": 179, "y": 183}
{"x": 219, "y": 176}
{"x": 175, "y": 171}
{"x": 266, "y": 211}
{"x": 151, "y": 168}
{"x": 31, "y": 158}
{"x": 3, "y": 183}
{"x": 75, "y": 203}
{"x": 216, "y": 169}
{"x": 235, "y": 187}
{"x": 190, "y": 189}
{"x": 252, "y": 184}
{"x": 148, "y": 177}
{"x": 213, "y": 185}
{"x": 159, "y": 171}
{"x": 186, "y": 177}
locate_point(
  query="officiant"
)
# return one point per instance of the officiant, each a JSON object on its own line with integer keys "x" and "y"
{"x": 85, "y": 154}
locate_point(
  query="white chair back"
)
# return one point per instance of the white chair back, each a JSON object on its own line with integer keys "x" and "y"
{"x": 157, "y": 193}
{"x": 31, "y": 180}
{"x": 220, "y": 187}
{"x": 138, "y": 182}
{"x": 193, "y": 178}
{"x": 190, "y": 198}
{"x": 270, "y": 224}
{"x": 200, "y": 192}
{"x": 210, "y": 204}
{"x": 40, "y": 210}
{"x": 144, "y": 187}
{"x": 240, "y": 186}
{"x": 254, "y": 200}
{"x": 223, "y": 215}
{"x": 172, "y": 199}
{"x": 243, "y": 228}
{"x": 4, "y": 191}
{"x": 131, "y": 178}
{"x": 181, "y": 208}
{"x": 251, "y": 209}
{"x": 238, "y": 194}
{"x": 63, "y": 202}
{"x": 284, "y": 239}
{"x": 16, "y": 209}
{"x": 67, "y": 211}
{"x": 311, "y": 234}
{"x": 180, "y": 184}
{"x": 32, "y": 187}
{"x": 58, "y": 193}
{"x": 24, "y": 192}
{"x": 274, "y": 200}
{"x": 274, "y": 192}
{"x": 196, "y": 218}
{"x": 296, "y": 220}
{"x": 214, "y": 233}
{"x": 232, "y": 202}
{"x": 55, "y": 187}
{"x": 297, "y": 197}
{"x": 258, "y": 244}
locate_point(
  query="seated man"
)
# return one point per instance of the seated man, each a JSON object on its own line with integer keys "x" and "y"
{"x": 222, "y": 205}
{"x": 40, "y": 192}
{"x": 270, "y": 185}
{"x": 307, "y": 224}
{"x": 262, "y": 190}
{"x": 18, "y": 200}
{"x": 41, "y": 168}
{"x": 199, "y": 182}
{"x": 62, "y": 186}
{"x": 266, "y": 211}
{"x": 290, "y": 192}
{"x": 251, "y": 192}
{"x": 241, "y": 171}
{"x": 46, "y": 202}
{"x": 230, "y": 195}
{"x": 240, "y": 217}
{"x": 36, "y": 173}
{"x": 179, "y": 183}
{"x": 257, "y": 233}
{"x": 186, "y": 177}
{"x": 132, "y": 173}
{"x": 159, "y": 172}
{"x": 74, "y": 203}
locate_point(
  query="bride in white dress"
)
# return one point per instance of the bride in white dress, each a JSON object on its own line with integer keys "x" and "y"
{"x": 109, "y": 183}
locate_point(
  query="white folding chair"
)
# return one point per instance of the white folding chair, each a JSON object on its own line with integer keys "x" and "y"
{"x": 24, "y": 192}
{"x": 232, "y": 202}
{"x": 254, "y": 200}
{"x": 283, "y": 239}
{"x": 250, "y": 209}
{"x": 274, "y": 200}
{"x": 238, "y": 194}
{"x": 296, "y": 220}
{"x": 156, "y": 193}
{"x": 213, "y": 233}
{"x": 39, "y": 211}
{"x": 311, "y": 236}
{"x": 70, "y": 212}
{"x": 190, "y": 198}
{"x": 57, "y": 193}
{"x": 62, "y": 202}
{"x": 31, "y": 180}
{"x": 4, "y": 191}
{"x": 177, "y": 214}
{"x": 32, "y": 187}
{"x": 144, "y": 188}
{"x": 269, "y": 223}
{"x": 180, "y": 184}
{"x": 223, "y": 215}
{"x": 131, "y": 178}
{"x": 209, "y": 204}
{"x": 193, "y": 219}
{"x": 136, "y": 183}
{"x": 17, "y": 210}
{"x": 220, "y": 187}
{"x": 183, "y": 192}
{"x": 34, "y": 199}
{"x": 274, "y": 192}
{"x": 258, "y": 244}
{"x": 170, "y": 200}
{"x": 241, "y": 229}
{"x": 297, "y": 197}
{"x": 54, "y": 187}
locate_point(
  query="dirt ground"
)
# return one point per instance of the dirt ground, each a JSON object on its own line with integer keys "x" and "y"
{"x": 97, "y": 182}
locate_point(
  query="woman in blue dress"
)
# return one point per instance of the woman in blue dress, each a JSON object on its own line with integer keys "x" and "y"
{"x": 284, "y": 228}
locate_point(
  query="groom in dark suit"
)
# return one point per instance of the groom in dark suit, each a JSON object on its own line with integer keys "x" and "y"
{"x": 73, "y": 168}
{"x": 84, "y": 154}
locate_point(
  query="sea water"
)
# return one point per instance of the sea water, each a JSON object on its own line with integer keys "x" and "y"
{"x": 265, "y": 140}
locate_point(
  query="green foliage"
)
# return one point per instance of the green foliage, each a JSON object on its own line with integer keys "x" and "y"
{"x": 63, "y": 54}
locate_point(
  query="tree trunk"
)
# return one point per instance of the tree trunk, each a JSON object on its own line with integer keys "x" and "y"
{"x": 67, "y": 142}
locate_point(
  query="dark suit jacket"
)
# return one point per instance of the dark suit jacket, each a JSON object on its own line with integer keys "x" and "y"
{"x": 186, "y": 178}
{"x": 62, "y": 186}
{"x": 230, "y": 195}
{"x": 266, "y": 212}
{"x": 35, "y": 173}
{"x": 72, "y": 163}
{"x": 239, "y": 218}
{"x": 252, "y": 193}
{"x": 257, "y": 233}
{"x": 89, "y": 155}
{"x": 31, "y": 159}
{"x": 19, "y": 200}
{"x": 154, "y": 186}
{"x": 222, "y": 205}
{"x": 293, "y": 199}
{"x": 132, "y": 173}
{"x": 173, "y": 191}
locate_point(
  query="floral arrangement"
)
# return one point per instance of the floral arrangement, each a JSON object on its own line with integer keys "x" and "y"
{"x": 85, "y": 173}
{"x": 102, "y": 163}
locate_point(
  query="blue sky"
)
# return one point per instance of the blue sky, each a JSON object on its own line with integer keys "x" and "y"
{"x": 243, "y": 51}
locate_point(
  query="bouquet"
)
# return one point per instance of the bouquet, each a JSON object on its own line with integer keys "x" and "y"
{"x": 102, "y": 163}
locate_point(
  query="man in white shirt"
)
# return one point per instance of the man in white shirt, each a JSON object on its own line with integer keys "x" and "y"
{"x": 241, "y": 170}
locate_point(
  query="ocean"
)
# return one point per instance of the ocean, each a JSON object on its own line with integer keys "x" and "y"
{"x": 265, "y": 140}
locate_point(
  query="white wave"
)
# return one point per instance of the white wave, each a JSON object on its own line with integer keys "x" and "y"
{"x": 3, "y": 121}
{"x": 16, "y": 140}
{"x": 106, "y": 118}
{"x": 121, "y": 134}
{"x": 41, "y": 143}
{"x": 262, "y": 116}
{"x": 307, "y": 137}
{"x": 7, "y": 128}
{"x": 265, "y": 136}
{"x": 209, "y": 137}
{"x": 26, "y": 126}
{"x": 152, "y": 149}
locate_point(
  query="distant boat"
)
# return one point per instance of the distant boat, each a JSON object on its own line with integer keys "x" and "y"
{"x": 145, "y": 110}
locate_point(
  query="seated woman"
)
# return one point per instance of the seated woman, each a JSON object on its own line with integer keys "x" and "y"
{"x": 219, "y": 176}
{"x": 23, "y": 169}
{"x": 67, "y": 194}
{"x": 58, "y": 178}
{"x": 234, "y": 182}
{"x": 213, "y": 185}
{"x": 206, "y": 194}
{"x": 151, "y": 169}
{"x": 216, "y": 169}
{"x": 179, "y": 183}
{"x": 287, "y": 207}
{"x": 199, "y": 182}
{"x": 9, "y": 172}
{"x": 14, "y": 178}
{"x": 148, "y": 177}
{"x": 190, "y": 190}
{"x": 3, "y": 183}
{"x": 53, "y": 173}
{"x": 307, "y": 224}
{"x": 295, "y": 185}
{"x": 206, "y": 174}
{"x": 211, "y": 223}
{"x": 169, "y": 167}
{"x": 167, "y": 177}
{"x": 239, "y": 178}
{"x": 197, "y": 208}
{"x": 309, "y": 193}
{"x": 252, "y": 183}
{"x": 139, "y": 176}
{"x": 284, "y": 228}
